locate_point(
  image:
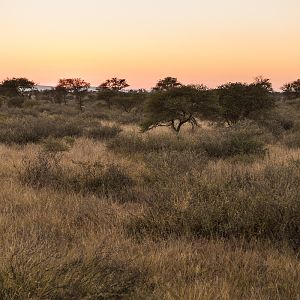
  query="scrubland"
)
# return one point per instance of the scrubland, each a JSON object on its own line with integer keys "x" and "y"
{"x": 91, "y": 208}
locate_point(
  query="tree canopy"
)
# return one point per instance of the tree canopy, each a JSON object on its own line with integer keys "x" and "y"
{"x": 240, "y": 100}
{"x": 17, "y": 87}
{"x": 291, "y": 90}
{"x": 110, "y": 89}
{"x": 167, "y": 84}
{"x": 177, "y": 106}
{"x": 76, "y": 86}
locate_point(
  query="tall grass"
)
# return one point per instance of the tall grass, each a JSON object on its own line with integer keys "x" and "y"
{"x": 90, "y": 212}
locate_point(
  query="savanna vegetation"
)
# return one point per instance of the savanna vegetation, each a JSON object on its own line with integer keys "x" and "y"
{"x": 181, "y": 192}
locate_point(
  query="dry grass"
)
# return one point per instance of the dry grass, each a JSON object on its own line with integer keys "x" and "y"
{"x": 179, "y": 225}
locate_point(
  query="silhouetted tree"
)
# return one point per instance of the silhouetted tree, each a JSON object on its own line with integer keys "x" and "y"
{"x": 76, "y": 86}
{"x": 291, "y": 90}
{"x": 179, "y": 105}
{"x": 166, "y": 84}
{"x": 61, "y": 92}
{"x": 240, "y": 100}
{"x": 110, "y": 88}
{"x": 13, "y": 87}
{"x": 264, "y": 82}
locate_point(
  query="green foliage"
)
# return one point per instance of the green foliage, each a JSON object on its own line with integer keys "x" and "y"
{"x": 111, "y": 88}
{"x": 178, "y": 106}
{"x": 240, "y": 100}
{"x": 76, "y": 86}
{"x": 129, "y": 100}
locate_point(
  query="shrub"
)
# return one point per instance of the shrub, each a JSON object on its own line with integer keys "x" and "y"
{"x": 292, "y": 140}
{"x": 56, "y": 145}
{"x": 32, "y": 130}
{"x": 46, "y": 170}
{"x": 31, "y": 103}
{"x": 102, "y": 132}
{"x": 15, "y": 101}
{"x": 241, "y": 204}
{"x": 38, "y": 273}
{"x": 230, "y": 142}
{"x": 134, "y": 143}
{"x": 98, "y": 179}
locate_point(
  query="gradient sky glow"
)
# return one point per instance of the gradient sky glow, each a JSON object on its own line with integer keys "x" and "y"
{"x": 197, "y": 41}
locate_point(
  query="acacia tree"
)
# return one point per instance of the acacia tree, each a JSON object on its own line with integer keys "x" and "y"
{"x": 17, "y": 87}
{"x": 241, "y": 100}
{"x": 167, "y": 84}
{"x": 177, "y": 106}
{"x": 291, "y": 90}
{"x": 129, "y": 100}
{"x": 60, "y": 92}
{"x": 75, "y": 86}
{"x": 111, "y": 88}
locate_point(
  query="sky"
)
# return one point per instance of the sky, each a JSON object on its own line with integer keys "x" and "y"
{"x": 197, "y": 41}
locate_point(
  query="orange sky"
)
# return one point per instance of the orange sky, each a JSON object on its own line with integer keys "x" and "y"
{"x": 143, "y": 41}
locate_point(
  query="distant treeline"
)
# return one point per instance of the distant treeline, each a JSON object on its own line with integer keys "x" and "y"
{"x": 169, "y": 103}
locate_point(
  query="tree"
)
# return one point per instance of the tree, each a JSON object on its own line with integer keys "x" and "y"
{"x": 240, "y": 100}
{"x": 14, "y": 87}
{"x": 178, "y": 106}
{"x": 264, "y": 82}
{"x": 166, "y": 84}
{"x": 111, "y": 88}
{"x": 76, "y": 86}
{"x": 291, "y": 90}
{"x": 61, "y": 92}
{"x": 129, "y": 100}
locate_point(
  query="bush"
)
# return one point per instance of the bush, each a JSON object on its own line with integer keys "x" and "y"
{"x": 15, "y": 102}
{"x": 292, "y": 140}
{"x": 32, "y": 130}
{"x": 240, "y": 204}
{"x": 102, "y": 132}
{"x": 46, "y": 170}
{"x": 98, "y": 179}
{"x": 235, "y": 141}
{"x": 56, "y": 145}
{"x": 31, "y": 103}
{"x": 135, "y": 143}
{"x": 40, "y": 273}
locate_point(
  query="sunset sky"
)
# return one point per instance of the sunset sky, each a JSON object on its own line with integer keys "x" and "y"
{"x": 197, "y": 41}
